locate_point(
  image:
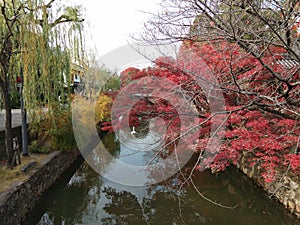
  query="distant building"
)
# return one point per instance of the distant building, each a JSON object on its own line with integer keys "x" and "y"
{"x": 76, "y": 83}
{"x": 77, "y": 73}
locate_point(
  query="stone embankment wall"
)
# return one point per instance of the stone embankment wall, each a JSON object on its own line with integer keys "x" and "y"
{"x": 16, "y": 202}
{"x": 285, "y": 187}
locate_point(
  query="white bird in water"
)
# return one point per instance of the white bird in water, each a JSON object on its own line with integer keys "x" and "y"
{"x": 133, "y": 131}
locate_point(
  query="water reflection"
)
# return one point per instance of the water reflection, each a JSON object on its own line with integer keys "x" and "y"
{"x": 140, "y": 158}
{"x": 87, "y": 198}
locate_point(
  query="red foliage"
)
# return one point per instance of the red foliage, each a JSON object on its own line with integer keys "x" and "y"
{"x": 267, "y": 139}
{"x": 293, "y": 160}
{"x": 127, "y": 75}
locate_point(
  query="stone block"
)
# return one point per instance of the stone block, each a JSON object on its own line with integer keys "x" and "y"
{"x": 294, "y": 185}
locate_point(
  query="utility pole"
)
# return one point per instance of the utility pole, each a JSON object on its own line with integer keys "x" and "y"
{"x": 20, "y": 83}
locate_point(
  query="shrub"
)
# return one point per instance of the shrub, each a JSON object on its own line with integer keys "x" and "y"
{"x": 54, "y": 131}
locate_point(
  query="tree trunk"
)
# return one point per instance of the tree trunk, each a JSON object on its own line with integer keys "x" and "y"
{"x": 5, "y": 87}
{"x": 6, "y": 53}
{"x": 8, "y": 127}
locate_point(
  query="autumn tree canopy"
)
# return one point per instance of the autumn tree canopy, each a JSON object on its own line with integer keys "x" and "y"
{"x": 252, "y": 49}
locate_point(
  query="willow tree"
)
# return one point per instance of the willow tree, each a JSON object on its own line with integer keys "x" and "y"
{"x": 39, "y": 38}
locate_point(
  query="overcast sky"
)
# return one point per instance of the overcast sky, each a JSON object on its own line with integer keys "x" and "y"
{"x": 112, "y": 22}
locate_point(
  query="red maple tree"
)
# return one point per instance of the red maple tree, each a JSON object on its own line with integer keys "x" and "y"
{"x": 261, "y": 108}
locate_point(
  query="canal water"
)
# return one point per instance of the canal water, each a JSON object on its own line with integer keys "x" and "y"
{"x": 82, "y": 196}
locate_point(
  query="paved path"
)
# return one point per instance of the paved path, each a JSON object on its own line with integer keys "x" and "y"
{"x": 16, "y": 118}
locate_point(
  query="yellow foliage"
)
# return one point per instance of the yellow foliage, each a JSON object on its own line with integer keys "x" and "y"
{"x": 103, "y": 108}
{"x": 87, "y": 114}
{"x": 83, "y": 113}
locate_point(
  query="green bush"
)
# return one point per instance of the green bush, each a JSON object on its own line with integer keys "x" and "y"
{"x": 34, "y": 147}
{"x": 55, "y": 131}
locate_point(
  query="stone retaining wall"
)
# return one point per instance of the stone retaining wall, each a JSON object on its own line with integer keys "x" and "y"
{"x": 285, "y": 187}
{"x": 16, "y": 202}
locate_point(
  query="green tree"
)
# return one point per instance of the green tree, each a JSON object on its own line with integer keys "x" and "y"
{"x": 38, "y": 37}
{"x": 98, "y": 78}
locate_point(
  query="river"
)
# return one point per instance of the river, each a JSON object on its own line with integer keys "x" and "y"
{"x": 82, "y": 196}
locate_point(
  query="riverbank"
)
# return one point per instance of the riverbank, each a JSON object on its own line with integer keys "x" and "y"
{"x": 285, "y": 187}
{"x": 20, "y": 172}
{"x": 19, "y": 198}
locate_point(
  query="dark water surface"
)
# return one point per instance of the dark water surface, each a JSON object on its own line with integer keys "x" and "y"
{"x": 85, "y": 197}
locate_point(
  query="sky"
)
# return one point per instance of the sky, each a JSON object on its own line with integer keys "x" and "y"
{"x": 110, "y": 23}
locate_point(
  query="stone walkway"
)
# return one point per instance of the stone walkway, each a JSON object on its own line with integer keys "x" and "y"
{"x": 16, "y": 118}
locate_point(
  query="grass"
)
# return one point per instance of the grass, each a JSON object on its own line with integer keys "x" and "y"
{"x": 8, "y": 177}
